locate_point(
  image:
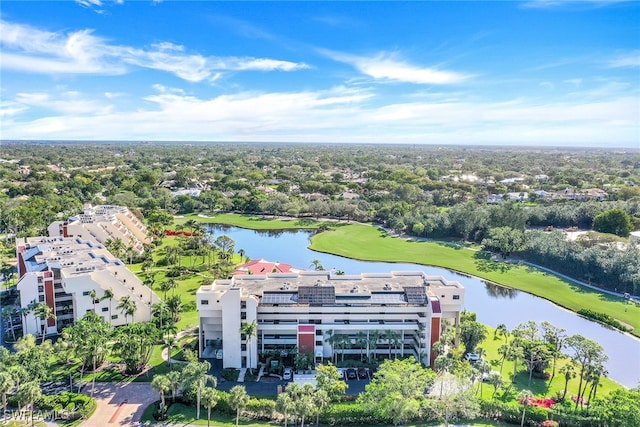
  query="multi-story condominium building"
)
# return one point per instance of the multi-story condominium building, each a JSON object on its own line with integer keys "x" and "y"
{"x": 62, "y": 271}
{"x": 398, "y": 313}
{"x": 104, "y": 222}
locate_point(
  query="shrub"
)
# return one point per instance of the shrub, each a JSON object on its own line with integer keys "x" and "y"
{"x": 262, "y": 409}
{"x": 348, "y": 413}
{"x": 230, "y": 374}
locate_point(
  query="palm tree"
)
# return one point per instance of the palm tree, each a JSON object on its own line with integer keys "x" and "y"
{"x": 169, "y": 340}
{"x": 241, "y": 252}
{"x": 161, "y": 384}
{"x": 317, "y": 265}
{"x": 238, "y": 399}
{"x": 6, "y": 384}
{"x": 249, "y": 329}
{"x": 361, "y": 342}
{"x": 174, "y": 382}
{"x": 501, "y": 329}
{"x": 209, "y": 399}
{"x": 372, "y": 343}
{"x": 7, "y": 314}
{"x": 196, "y": 374}
{"x": 569, "y": 371}
{"x": 27, "y": 394}
{"x": 284, "y": 405}
{"x": 524, "y": 397}
{"x": 44, "y": 313}
{"x": 108, "y": 294}
{"x": 320, "y": 399}
{"x": 175, "y": 307}
{"x": 127, "y": 306}
{"x": 116, "y": 247}
{"x": 94, "y": 296}
{"x": 168, "y": 285}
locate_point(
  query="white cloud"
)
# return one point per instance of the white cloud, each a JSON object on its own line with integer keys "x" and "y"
{"x": 627, "y": 60}
{"x": 388, "y": 67}
{"x": 341, "y": 114}
{"x": 66, "y": 103}
{"x": 28, "y": 49}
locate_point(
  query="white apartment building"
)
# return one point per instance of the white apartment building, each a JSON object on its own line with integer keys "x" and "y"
{"x": 104, "y": 222}
{"x": 307, "y": 309}
{"x": 62, "y": 271}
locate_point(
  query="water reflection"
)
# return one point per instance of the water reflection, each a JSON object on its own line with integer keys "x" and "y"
{"x": 492, "y": 304}
{"x": 497, "y": 291}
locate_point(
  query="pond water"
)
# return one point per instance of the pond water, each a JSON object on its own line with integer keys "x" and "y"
{"x": 492, "y": 304}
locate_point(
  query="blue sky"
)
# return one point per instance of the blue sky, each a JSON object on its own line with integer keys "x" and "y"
{"x": 540, "y": 72}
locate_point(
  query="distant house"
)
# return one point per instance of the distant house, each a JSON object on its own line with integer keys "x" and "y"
{"x": 495, "y": 198}
{"x": 518, "y": 196}
{"x": 262, "y": 266}
{"x": 193, "y": 192}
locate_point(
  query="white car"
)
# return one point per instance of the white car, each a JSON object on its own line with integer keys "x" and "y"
{"x": 287, "y": 374}
{"x": 219, "y": 354}
{"x": 472, "y": 357}
{"x": 340, "y": 372}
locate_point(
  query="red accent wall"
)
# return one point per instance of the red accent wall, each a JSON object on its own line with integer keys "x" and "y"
{"x": 22, "y": 268}
{"x": 65, "y": 233}
{"x": 306, "y": 338}
{"x": 435, "y": 336}
{"x": 49, "y": 299}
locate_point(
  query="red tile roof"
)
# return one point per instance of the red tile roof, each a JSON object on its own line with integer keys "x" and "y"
{"x": 261, "y": 266}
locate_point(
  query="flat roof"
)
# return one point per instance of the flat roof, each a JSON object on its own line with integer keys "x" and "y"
{"x": 70, "y": 254}
{"x": 391, "y": 287}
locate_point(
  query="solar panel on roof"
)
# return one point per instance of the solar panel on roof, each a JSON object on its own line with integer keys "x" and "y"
{"x": 278, "y": 298}
{"x": 316, "y": 295}
{"x": 415, "y": 294}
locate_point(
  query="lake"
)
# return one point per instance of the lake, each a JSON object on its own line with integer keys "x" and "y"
{"x": 492, "y": 304}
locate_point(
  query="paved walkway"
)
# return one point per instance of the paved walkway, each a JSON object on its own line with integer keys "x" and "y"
{"x": 120, "y": 404}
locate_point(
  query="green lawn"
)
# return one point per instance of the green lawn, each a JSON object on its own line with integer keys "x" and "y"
{"x": 254, "y": 222}
{"x": 373, "y": 244}
{"x": 539, "y": 387}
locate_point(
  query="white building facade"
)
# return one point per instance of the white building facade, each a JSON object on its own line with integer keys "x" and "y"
{"x": 396, "y": 313}
{"x": 62, "y": 271}
{"x": 104, "y": 222}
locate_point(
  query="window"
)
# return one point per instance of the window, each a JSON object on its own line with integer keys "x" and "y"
{"x": 41, "y": 298}
{"x": 40, "y": 288}
{"x": 456, "y": 297}
{"x": 243, "y": 347}
{"x": 114, "y": 317}
{"x": 204, "y": 301}
{"x": 85, "y": 293}
{"x": 243, "y": 315}
{"x": 39, "y": 279}
{"x": 105, "y": 309}
{"x": 243, "y": 305}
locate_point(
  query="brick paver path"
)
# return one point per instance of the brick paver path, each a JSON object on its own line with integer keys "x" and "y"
{"x": 119, "y": 404}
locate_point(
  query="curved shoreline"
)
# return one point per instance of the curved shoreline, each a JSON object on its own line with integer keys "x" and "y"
{"x": 543, "y": 270}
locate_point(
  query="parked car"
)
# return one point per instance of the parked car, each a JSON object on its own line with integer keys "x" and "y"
{"x": 341, "y": 372}
{"x": 363, "y": 374}
{"x": 287, "y": 374}
{"x": 219, "y": 354}
{"x": 472, "y": 357}
{"x": 352, "y": 374}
